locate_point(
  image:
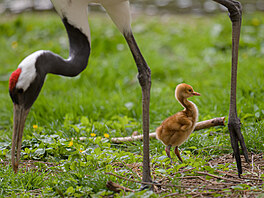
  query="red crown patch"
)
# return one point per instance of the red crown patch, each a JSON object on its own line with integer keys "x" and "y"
{"x": 14, "y": 78}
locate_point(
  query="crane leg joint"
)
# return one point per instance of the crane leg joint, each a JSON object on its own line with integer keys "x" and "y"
{"x": 235, "y": 11}
{"x": 144, "y": 77}
{"x": 234, "y": 124}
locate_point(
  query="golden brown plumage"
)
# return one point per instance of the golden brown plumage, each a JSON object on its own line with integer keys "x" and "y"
{"x": 176, "y": 129}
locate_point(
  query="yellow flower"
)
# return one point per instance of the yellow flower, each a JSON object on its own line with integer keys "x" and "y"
{"x": 70, "y": 143}
{"x": 35, "y": 126}
{"x": 93, "y": 134}
{"x": 106, "y": 135}
{"x": 80, "y": 150}
{"x": 255, "y": 22}
{"x": 14, "y": 44}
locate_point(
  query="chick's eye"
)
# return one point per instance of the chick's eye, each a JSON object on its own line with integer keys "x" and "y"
{"x": 190, "y": 90}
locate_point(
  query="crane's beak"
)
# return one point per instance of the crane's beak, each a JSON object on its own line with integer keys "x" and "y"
{"x": 196, "y": 93}
{"x": 20, "y": 115}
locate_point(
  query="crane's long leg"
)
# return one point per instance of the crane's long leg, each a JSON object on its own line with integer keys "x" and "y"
{"x": 144, "y": 77}
{"x": 235, "y": 14}
{"x": 120, "y": 14}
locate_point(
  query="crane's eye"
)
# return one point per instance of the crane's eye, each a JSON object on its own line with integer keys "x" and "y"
{"x": 20, "y": 91}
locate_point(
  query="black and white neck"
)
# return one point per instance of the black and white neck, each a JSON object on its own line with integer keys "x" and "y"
{"x": 48, "y": 62}
{"x": 42, "y": 62}
{"x": 34, "y": 68}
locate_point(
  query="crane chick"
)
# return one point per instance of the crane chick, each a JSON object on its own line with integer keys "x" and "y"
{"x": 176, "y": 129}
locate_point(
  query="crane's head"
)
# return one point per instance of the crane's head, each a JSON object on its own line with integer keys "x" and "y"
{"x": 25, "y": 84}
{"x": 185, "y": 91}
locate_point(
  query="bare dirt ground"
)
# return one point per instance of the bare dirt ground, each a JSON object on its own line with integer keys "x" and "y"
{"x": 225, "y": 183}
{"x": 204, "y": 184}
{"x": 193, "y": 183}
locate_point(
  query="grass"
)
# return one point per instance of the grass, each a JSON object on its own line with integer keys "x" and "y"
{"x": 106, "y": 98}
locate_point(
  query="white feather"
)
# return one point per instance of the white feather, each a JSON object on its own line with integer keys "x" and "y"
{"x": 28, "y": 70}
{"x": 76, "y": 12}
{"x": 119, "y": 11}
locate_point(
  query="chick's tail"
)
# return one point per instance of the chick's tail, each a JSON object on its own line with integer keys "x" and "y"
{"x": 159, "y": 132}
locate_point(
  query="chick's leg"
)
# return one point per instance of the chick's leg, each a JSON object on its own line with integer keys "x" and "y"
{"x": 176, "y": 151}
{"x": 167, "y": 149}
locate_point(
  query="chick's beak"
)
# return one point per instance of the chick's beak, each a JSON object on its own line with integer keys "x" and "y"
{"x": 196, "y": 93}
{"x": 20, "y": 115}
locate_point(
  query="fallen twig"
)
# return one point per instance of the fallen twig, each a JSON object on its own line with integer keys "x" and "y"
{"x": 186, "y": 170}
{"x": 196, "y": 177}
{"x": 196, "y": 193}
{"x": 226, "y": 173}
{"x": 252, "y": 160}
{"x": 235, "y": 176}
{"x": 200, "y": 125}
{"x": 219, "y": 177}
{"x": 117, "y": 188}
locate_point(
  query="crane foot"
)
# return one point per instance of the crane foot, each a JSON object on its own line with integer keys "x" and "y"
{"x": 234, "y": 127}
{"x": 149, "y": 187}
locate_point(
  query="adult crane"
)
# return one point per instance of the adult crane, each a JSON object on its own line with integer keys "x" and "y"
{"x": 26, "y": 82}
